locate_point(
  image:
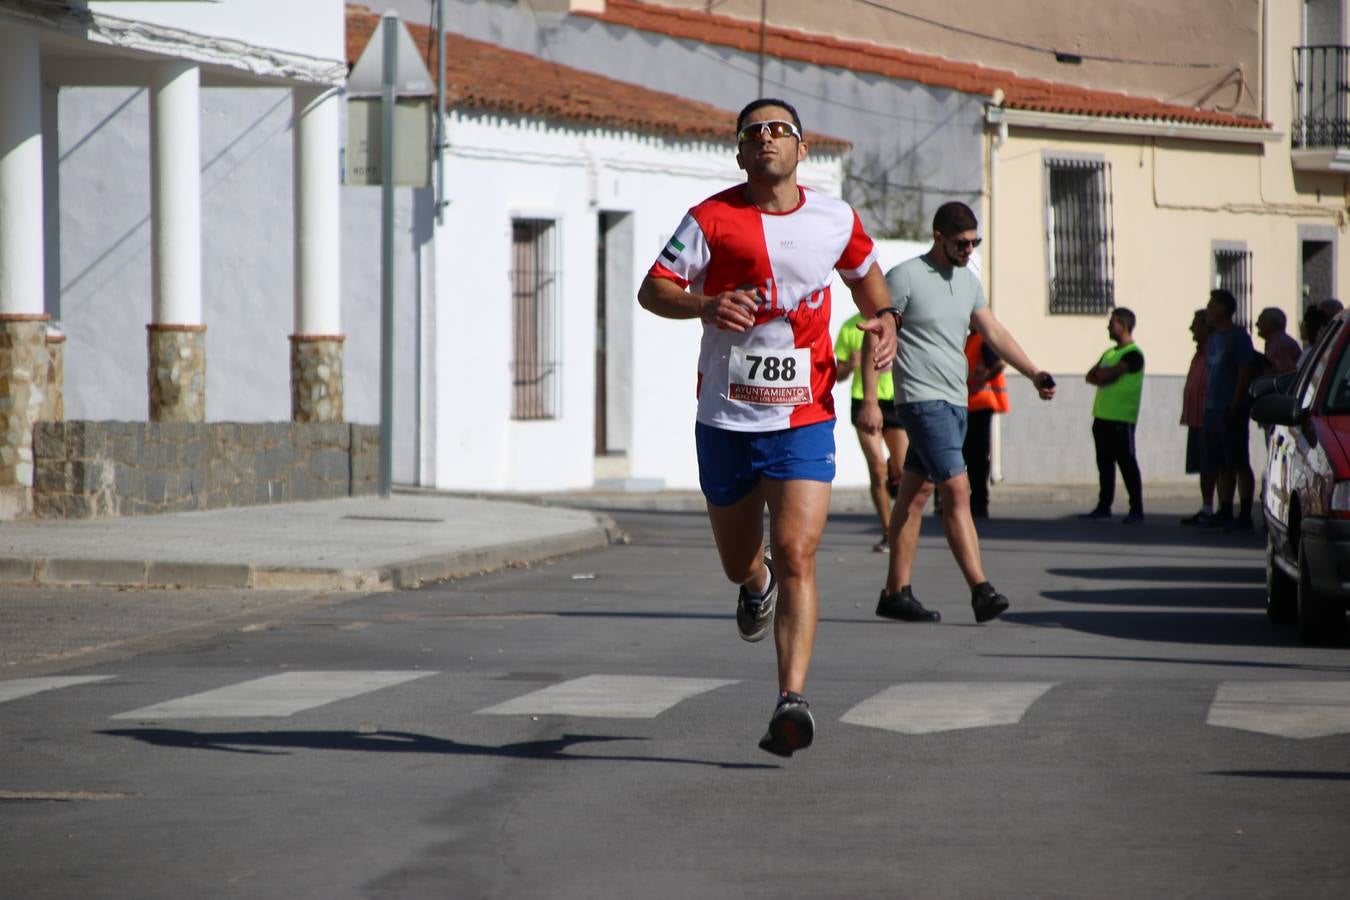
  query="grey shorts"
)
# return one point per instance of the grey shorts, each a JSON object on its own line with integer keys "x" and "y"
{"x": 937, "y": 431}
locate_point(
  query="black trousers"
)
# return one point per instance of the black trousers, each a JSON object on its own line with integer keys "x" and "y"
{"x": 979, "y": 423}
{"x": 1115, "y": 448}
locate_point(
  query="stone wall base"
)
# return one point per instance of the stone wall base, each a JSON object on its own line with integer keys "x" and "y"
{"x": 88, "y": 470}
{"x": 54, "y": 402}
{"x": 177, "y": 372}
{"x": 316, "y": 378}
{"x": 23, "y": 388}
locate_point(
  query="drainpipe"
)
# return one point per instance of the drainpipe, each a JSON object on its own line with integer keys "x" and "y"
{"x": 993, "y": 115}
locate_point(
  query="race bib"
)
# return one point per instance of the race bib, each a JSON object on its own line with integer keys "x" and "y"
{"x": 769, "y": 377}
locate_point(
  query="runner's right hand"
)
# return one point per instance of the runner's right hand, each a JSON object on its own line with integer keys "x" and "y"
{"x": 731, "y": 310}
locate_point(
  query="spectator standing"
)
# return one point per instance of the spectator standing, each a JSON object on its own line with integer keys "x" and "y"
{"x": 988, "y": 388}
{"x": 1230, "y": 362}
{"x": 872, "y": 396}
{"x": 939, "y": 300}
{"x": 1119, "y": 377}
{"x": 1193, "y": 417}
{"x": 1282, "y": 351}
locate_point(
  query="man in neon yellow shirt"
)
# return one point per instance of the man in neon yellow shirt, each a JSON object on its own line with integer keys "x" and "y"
{"x": 1119, "y": 377}
{"x": 875, "y": 419}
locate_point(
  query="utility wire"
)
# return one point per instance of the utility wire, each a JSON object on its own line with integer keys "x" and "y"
{"x": 1036, "y": 48}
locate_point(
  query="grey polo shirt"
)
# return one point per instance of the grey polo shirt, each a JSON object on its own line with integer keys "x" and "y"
{"x": 935, "y": 307}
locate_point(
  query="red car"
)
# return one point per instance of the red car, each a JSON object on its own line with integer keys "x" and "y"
{"x": 1307, "y": 490}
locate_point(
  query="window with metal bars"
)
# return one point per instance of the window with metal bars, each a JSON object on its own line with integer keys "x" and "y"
{"x": 1080, "y": 240}
{"x": 536, "y": 346}
{"x": 1233, "y": 272}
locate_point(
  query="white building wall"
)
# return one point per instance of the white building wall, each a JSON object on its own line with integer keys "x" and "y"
{"x": 499, "y": 167}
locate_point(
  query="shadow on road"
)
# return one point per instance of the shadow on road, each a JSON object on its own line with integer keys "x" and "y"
{"x": 1186, "y": 598}
{"x": 1250, "y": 629}
{"x": 281, "y": 743}
{"x": 1285, "y": 774}
{"x": 1207, "y": 574}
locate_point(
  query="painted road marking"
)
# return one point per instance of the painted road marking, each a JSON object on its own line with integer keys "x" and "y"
{"x": 273, "y": 695}
{"x": 23, "y": 687}
{"x": 1293, "y": 709}
{"x": 607, "y": 696}
{"x": 924, "y": 708}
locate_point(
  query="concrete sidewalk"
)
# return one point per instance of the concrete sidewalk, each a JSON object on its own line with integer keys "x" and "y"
{"x": 369, "y": 543}
{"x": 358, "y": 544}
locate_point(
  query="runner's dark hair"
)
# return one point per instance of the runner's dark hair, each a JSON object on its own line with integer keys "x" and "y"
{"x": 763, "y": 102}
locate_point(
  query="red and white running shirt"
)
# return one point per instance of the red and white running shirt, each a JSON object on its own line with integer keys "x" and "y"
{"x": 779, "y": 373}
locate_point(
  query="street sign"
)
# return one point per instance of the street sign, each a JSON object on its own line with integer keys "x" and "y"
{"x": 412, "y": 142}
{"x": 413, "y": 89}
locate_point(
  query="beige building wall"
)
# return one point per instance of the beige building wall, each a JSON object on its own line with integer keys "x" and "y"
{"x": 1172, "y": 199}
{"x": 1203, "y": 53}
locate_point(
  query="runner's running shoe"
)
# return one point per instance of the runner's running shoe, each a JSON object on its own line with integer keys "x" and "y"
{"x": 754, "y": 612}
{"x": 791, "y": 728}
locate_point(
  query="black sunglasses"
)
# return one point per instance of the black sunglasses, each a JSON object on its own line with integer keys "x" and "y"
{"x": 778, "y": 128}
{"x": 966, "y": 243}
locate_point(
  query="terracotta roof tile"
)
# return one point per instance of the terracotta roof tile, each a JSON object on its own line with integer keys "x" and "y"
{"x": 487, "y": 77}
{"x": 1019, "y": 91}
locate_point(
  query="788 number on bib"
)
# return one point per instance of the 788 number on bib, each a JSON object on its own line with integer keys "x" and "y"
{"x": 769, "y": 377}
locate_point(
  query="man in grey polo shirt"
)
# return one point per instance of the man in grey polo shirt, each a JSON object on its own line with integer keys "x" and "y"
{"x": 938, "y": 300}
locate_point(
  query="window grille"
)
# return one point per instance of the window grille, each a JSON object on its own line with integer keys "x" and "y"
{"x": 536, "y": 359}
{"x": 1321, "y": 90}
{"x": 1079, "y": 235}
{"x": 1233, "y": 272}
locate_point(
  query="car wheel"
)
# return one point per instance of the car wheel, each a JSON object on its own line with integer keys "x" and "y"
{"x": 1281, "y": 590}
{"x": 1320, "y": 621}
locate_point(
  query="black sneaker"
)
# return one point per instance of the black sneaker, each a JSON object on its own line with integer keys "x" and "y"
{"x": 904, "y": 606}
{"x": 1097, "y": 513}
{"x": 1201, "y": 518}
{"x": 987, "y": 602}
{"x": 791, "y": 728}
{"x": 754, "y": 612}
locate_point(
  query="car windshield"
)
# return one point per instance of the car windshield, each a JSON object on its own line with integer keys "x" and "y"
{"x": 1338, "y": 392}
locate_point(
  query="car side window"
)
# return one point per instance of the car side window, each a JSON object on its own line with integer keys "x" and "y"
{"x": 1323, "y": 352}
{"x": 1338, "y": 392}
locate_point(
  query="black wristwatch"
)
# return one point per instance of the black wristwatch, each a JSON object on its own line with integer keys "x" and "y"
{"x": 893, "y": 311}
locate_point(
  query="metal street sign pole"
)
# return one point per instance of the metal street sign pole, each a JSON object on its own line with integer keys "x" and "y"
{"x": 387, "y": 100}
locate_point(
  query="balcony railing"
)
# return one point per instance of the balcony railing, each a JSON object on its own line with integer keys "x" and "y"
{"x": 1322, "y": 90}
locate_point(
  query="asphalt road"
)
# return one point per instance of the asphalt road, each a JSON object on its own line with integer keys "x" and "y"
{"x": 1133, "y": 727}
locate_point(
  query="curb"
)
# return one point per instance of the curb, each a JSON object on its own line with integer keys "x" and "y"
{"x": 149, "y": 574}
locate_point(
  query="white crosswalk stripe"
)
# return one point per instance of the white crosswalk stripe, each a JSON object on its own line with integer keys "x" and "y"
{"x": 1293, "y": 709}
{"x": 608, "y": 696}
{"x": 927, "y": 707}
{"x": 24, "y": 687}
{"x": 274, "y": 695}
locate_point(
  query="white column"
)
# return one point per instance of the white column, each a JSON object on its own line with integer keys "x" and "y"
{"x": 317, "y": 237}
{"x": 175, "y": 194}
{"x": 21, "y": 228}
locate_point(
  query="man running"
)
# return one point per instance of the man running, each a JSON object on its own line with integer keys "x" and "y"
{"x": 939, "y": 299}
{"x": 754, "y": 263}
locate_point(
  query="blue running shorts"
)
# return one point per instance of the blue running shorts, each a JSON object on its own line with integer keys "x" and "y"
{"x": 730, "y": 463}
{"x": 937, "y": 430}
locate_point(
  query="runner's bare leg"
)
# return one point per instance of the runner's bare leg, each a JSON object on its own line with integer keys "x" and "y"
{"x": 797, "y": 513}
{"x": 738, "y": 530}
